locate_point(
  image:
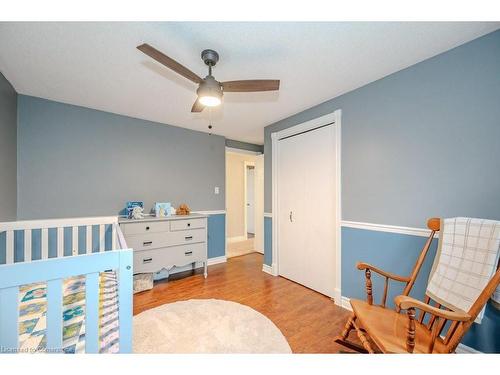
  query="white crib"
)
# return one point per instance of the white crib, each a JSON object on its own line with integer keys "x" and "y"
{"x": 65, "y": 248}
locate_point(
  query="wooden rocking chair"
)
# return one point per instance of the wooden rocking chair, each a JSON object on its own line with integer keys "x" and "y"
{"x": 393, "y": 332}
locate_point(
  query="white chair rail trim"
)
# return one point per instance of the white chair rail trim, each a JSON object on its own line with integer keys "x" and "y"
{"x": 213, "y": 212}
{"x": 422, "y": 232}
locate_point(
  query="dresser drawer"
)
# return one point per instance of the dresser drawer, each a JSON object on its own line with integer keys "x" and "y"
{"x": 148, "y": 241}
{"x": 156, "y": 240}
{"x": 155, "y": 260}
{"x": 145, "y": 227}
{"x": 182, "y": 237}
{"x": 187, "y": 224}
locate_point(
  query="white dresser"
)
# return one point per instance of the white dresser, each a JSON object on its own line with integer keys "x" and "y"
{"x": 162, "y": 243}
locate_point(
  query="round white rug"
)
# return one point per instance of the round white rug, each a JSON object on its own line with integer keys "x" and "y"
{"x": 206, "y": 326}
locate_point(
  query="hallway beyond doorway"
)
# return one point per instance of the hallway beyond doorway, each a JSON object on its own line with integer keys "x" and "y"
{"x": 235, "y": 249}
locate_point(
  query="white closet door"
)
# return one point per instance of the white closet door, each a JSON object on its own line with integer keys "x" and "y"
{"x": 306, "y": 198}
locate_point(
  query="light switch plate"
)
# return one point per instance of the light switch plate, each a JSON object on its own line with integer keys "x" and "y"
{"x": 216, "y": 190}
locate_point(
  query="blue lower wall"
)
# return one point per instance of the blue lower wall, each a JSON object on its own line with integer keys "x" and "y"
{"x": 396, "y": 253}
{"x": 216, "y": 235}
{"x": 392, "y": 252}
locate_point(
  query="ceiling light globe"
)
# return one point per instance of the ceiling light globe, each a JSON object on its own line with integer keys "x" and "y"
{"x": 210, "y": 101}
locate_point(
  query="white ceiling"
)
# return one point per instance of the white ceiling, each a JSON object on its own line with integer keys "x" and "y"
{"x": 96, "y": 65}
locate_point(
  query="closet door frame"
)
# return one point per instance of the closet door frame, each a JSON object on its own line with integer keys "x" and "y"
{"x": 331, "y": 118}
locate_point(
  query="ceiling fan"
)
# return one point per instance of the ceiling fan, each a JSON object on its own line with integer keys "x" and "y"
{"x": 210, "y": 90}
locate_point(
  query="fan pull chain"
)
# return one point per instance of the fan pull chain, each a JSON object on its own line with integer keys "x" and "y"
{"x": 210, "y": 120}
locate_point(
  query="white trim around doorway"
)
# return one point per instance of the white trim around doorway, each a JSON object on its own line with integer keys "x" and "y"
{"x": 246, "y": 164}
{"x": 241, "y": 151}
{"x": 331, "y": 118}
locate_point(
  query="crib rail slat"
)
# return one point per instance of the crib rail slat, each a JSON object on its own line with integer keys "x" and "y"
{"x": 9, "y": 313}
{"x": 113, "y": 237}
{"x": 92, "y": 313}
{"x": 74, "y": 239}
{"x": 125, "y": 293}
{"x": 88, "y": 241}
{"x": 27, "y": 245}
{"x": 60, "y": 242}
{"x": 102, "y": 237}
{"x": 9, "y": 248}
{"x": 45, "y": 243}
{"x": 54, "y": 315}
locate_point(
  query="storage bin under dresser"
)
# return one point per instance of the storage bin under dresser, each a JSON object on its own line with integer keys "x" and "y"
{"x": 164, "y": 243}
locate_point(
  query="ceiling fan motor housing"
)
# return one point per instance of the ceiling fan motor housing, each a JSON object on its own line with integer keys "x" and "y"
{"x": 209, "y": 57}
{"x": 209, "y": 87}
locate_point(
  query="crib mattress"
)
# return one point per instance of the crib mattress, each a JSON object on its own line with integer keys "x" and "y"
{"x": 33, "y": 309}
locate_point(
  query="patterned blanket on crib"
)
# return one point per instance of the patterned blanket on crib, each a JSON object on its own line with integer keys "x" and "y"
{"x": 33, "y": 309}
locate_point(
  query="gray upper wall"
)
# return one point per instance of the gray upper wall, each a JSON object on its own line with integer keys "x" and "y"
{"x": 422, "y": 142}
{"x": 244, "y": 146}
{"x": 8, "y": 153}
{"x": 75, "y": 161}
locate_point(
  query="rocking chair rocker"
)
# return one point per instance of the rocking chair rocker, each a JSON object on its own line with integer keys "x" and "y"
{"x": 393, "y": 332}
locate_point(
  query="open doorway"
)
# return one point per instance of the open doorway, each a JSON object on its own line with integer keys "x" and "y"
{"x": 244, "y": 202}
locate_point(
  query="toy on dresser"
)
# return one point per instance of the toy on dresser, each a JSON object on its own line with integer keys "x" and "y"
{"x": 135, "y": 210}
{"x": 183, "y": 210}
{"x": 163, "y": 209}
{"x": 138, "y": 213}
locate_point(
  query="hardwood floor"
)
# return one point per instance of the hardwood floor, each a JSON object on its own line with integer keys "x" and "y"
{"x": 308, "y": 320}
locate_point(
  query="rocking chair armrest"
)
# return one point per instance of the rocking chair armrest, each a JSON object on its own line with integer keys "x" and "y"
{"x": 406, "y": 302}
{"x": 365, "y": 266}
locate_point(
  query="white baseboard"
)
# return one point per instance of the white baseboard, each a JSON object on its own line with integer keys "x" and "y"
{"x": 267, "y": 269}
{"x": 345, "y": 303}
{"x": 217, "y": 260}
{"x": 464, "y": 349}
{"x": 236, "y": 239}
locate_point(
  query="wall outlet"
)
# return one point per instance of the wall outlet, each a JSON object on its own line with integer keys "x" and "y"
{"x": 216, "y": 190}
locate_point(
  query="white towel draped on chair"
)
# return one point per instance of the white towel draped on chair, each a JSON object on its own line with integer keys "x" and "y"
{"x": 467, "y": 258}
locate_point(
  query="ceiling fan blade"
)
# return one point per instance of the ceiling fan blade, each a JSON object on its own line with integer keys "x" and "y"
{"x": 169, "y": 62}
{"x": 197, "y": 106}
{"x": 251, "y": 85}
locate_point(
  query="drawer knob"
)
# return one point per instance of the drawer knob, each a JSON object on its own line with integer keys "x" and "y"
{"x": 147, "y": 260}
{"x": 147, "y": 228}
{"x": 147, "y": 243}
{"x": 188, "y": 238}
{"x": 189, "y": 224}
{"x": 187, "y": 253}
